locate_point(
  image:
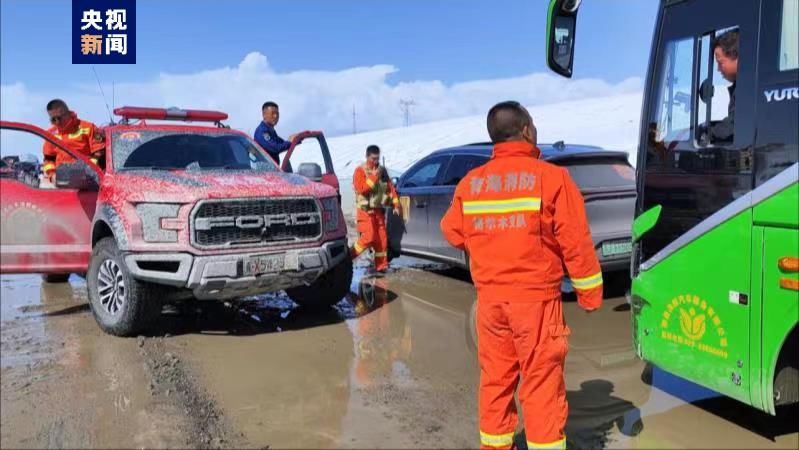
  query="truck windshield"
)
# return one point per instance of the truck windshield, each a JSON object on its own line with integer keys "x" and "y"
{"x": 180, "y": 150}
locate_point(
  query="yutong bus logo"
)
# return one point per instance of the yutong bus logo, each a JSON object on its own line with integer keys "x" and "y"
{"x": 103, "y": 32}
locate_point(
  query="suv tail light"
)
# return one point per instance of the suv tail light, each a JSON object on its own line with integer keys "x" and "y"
{"x": 330, "y": 213}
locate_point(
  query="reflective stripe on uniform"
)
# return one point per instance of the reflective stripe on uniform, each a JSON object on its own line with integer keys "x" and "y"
{"x": 561, "y": 444}
{"x": 496, "y": 440}
{"x": 48, "y": 167}
{"x": 359, "y": 248}
{"x": 587, "y": 282}
{"x": 370, "y": 183}
{"x": 381, "y": 254}
{"x": 501, "y": 206}
{"x": 81, "y": 131}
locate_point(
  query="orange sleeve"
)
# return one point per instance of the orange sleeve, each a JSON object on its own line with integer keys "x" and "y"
{"x": 96, "y": 138}
{"x": 574, "y": 238}
{"x": 49, "y": 150}
{"x": 363, "y": 185}
{"x": 452, "y": 222}
{"x": 393, "y": 192}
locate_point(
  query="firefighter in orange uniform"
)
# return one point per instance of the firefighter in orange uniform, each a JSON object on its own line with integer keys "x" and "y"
{"x": 373, "y": 193}
{"x": 75, "y": 134}
{"x": 522, "y": 220}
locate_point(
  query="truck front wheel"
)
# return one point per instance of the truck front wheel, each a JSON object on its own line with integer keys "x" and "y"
{"x": 327, "y": 290}
{"x": 122, "y": 305}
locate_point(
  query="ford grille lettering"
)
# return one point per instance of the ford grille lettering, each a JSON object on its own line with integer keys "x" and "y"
{"x": 255, "y": 222}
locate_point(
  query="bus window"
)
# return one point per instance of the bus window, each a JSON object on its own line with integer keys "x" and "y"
{"x": 673, "y": 113}
{"x": 718, "y": 72}
{"x": 789, "y": 38}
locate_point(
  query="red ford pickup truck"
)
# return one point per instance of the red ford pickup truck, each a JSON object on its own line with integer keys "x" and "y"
{"x": 179, "y": 210}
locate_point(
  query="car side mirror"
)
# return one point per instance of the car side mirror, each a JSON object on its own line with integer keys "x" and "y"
{"x": 76, "y": 176}
{"x": 312, "y": 171}
{"x": 561, "y": 25}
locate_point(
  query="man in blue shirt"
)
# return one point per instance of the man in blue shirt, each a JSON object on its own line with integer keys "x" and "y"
{"x": 265, "y": 134}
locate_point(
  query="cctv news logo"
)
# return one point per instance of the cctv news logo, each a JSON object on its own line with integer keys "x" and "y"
{"x": 103, "y": 31}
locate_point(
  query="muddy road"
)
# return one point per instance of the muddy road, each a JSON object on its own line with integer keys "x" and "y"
{"x": 392, "y": 366}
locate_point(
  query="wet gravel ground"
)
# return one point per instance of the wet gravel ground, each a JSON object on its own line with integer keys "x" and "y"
{"x": 393, "y": 365}
{"x": 169, "y": 378}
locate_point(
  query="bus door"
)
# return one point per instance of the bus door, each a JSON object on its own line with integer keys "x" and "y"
{"x": 777, "y": 219}
{"x": 693, "y": 269}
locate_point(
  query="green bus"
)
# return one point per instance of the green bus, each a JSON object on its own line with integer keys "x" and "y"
{"x": 715, "y": 266}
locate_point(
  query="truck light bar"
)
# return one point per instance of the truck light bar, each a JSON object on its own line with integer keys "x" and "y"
{"x": 189, "y": 115}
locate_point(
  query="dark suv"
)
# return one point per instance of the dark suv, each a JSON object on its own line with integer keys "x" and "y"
{"x": 605, "y": 178}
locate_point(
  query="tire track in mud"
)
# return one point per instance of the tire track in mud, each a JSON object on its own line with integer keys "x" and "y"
{"x": 170, "y": 378}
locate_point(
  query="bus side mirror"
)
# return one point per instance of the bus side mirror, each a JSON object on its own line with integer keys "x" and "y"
{"x": 645, "y": 222}
{"x": 561, "y": 24}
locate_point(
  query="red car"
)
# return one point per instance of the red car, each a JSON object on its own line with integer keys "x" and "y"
{"x": 6, "y": 170}
{"x": 180, "y": 211}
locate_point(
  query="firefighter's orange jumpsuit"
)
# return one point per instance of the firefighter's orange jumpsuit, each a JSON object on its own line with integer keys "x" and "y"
{"x": 79, "y": 136}
{"x": 373, "y": 193}
{"x": 522, "y": 220}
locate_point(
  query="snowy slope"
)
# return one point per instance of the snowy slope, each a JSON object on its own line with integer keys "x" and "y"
{"x": 610, "y": 122}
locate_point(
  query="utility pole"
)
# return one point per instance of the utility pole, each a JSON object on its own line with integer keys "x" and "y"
{"x": 354, "y": 127}
{"x": 405, "y": 106}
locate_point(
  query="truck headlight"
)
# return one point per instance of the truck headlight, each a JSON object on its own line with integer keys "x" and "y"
{"x": 151, "y": 216}
{"x": 330, "y": 213}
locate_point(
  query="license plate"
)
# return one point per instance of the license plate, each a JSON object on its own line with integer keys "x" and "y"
{"x": 255, "y": 265}
{"x": 613, "y": 248}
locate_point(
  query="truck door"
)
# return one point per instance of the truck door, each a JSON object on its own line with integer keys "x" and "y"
{"x": 41, "y": 230}
{"x": 694, "y": 281}
{"x": 309, "y": 156}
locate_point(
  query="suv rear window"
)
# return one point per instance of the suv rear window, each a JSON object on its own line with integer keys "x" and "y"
{"x": 602, "y": 174}
{"x": 179, "y": 150}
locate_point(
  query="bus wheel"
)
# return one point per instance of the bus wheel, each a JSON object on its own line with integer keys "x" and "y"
{"x": 786, "y": 382}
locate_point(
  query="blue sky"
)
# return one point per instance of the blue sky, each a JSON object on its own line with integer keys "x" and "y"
{"x": 320, "y": 59}
{"x": 448, "y": 40}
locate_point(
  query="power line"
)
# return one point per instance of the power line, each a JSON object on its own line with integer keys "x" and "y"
{"x": 405, "y": 106}
{"x": 354, "y": 127}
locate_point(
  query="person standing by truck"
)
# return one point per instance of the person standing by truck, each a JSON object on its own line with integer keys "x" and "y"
{"x": 374, "y": 192}
{"x": 78, "y": 135}
{"x": 266, "y": 136}
{"x": 521, "y": 220}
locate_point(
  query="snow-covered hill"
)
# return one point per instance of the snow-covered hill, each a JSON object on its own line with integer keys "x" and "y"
{"x": 610, "y": 122}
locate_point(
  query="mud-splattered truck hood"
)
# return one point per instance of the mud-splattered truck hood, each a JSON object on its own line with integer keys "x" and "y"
{"x": 184, "y": 186}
